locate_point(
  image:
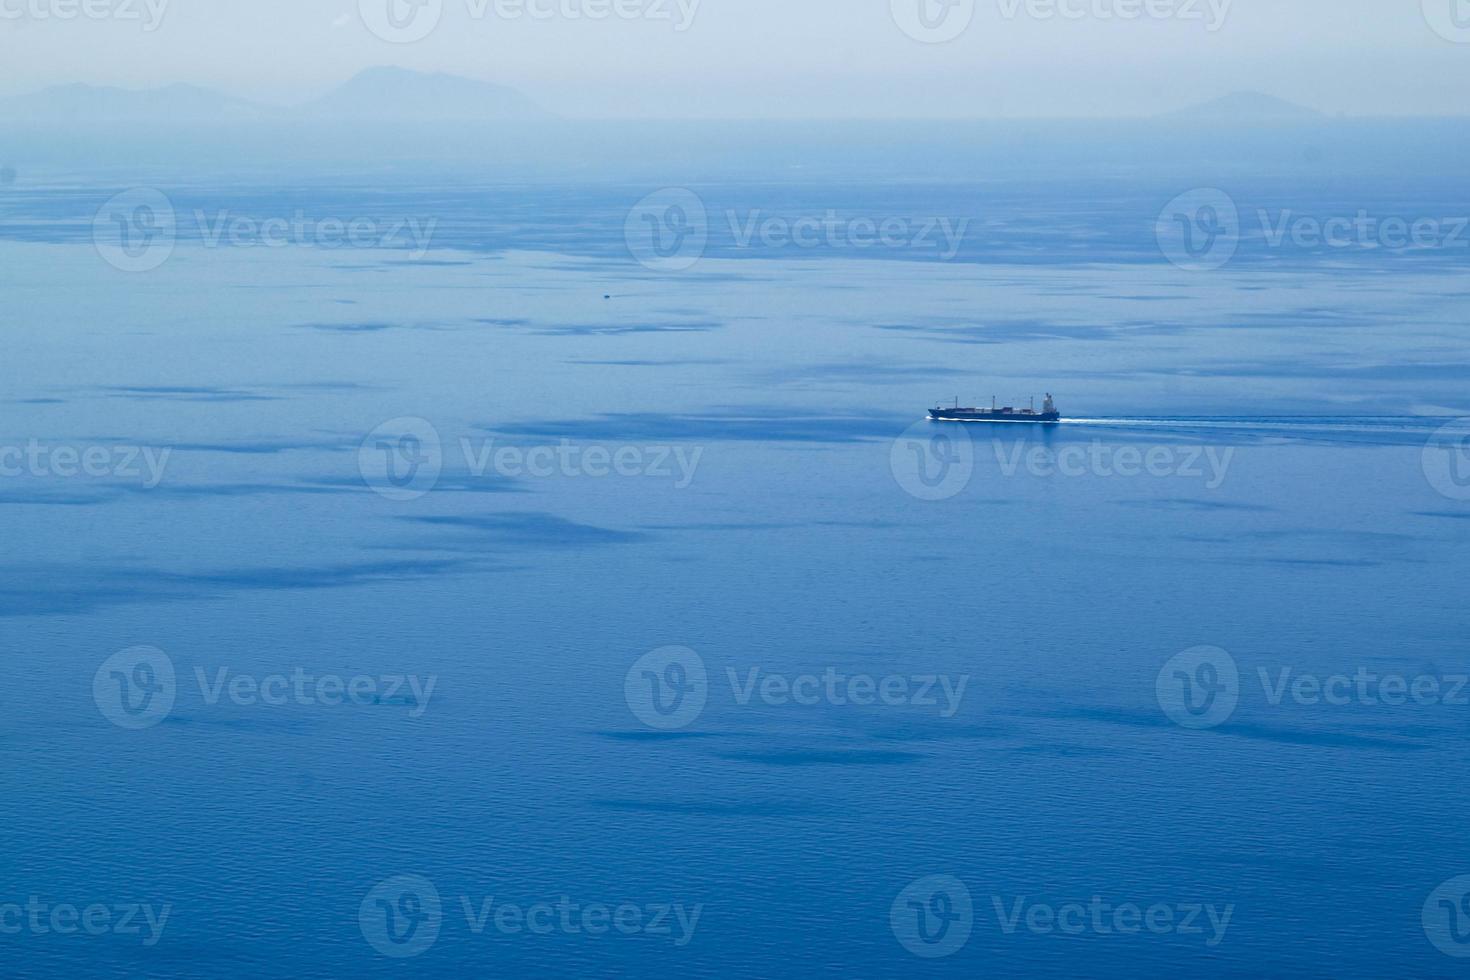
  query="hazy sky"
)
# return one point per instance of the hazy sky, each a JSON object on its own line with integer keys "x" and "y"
{"x": 775, "y": 57}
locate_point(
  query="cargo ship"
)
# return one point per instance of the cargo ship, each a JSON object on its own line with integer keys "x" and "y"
{"x": 1047, "y": 415}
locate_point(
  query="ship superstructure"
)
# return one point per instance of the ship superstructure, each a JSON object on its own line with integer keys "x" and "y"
{"x": 997, "y": 413}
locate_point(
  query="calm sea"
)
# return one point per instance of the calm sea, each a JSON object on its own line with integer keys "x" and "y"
{"x": 497, "y": 580}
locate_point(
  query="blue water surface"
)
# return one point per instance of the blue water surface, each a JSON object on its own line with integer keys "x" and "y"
{"x": 1250, "y": 464}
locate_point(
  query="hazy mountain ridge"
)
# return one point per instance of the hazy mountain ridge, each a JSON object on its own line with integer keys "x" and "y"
{"x": 400, "y": 94}
{"x": 99, "y": 103}
{"x": 1247, "y": 106}
{"x": 374, "y": 95}
{"x": 384, "y": 119}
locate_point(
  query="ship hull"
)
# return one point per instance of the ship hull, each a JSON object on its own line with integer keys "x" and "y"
{"x": 983, "y": 415}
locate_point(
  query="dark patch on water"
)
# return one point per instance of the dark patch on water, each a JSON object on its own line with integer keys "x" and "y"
{"x": 48, "y": 590}
{"x": 621, "y": 329}
{"x": 1326, "y": 739}
{"x": 368, "y": 326}
{"x": 639, "y": 735}
{"x": 743, "y": 808}
{"x": 530, "y": 529}
{"x": 749, "y": 425}
{"x": 817, "y": 757}
{"x": 187, "y": 393}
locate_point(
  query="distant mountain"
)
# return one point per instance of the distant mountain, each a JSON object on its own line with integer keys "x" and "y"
{"x": 1247, "y": 106}
{"x": 400, "y": 95}
{"x": 378, "y": 95}
{"x": 175, "y": 104}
